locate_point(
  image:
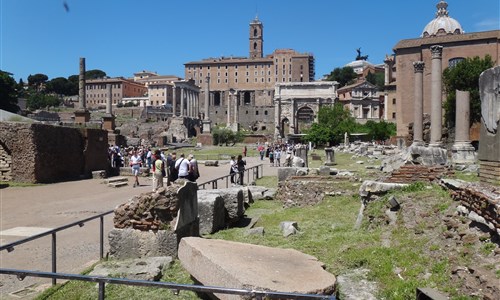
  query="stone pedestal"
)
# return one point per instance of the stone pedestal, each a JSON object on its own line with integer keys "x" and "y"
{"x": 108, "y": 122}
{"x": 82, "y": 116}
{"x": 330, "y": 157}
{"x": 463, "y": 153}
{"x": 207, "y": 126}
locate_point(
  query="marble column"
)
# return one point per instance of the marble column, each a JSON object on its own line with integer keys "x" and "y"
{"x": 81, "y": 86}
{"x": 189, "y": 103}
{"x": 207, "y": 98}
{"x": 436, "y": 96}
{"x": 183, "y": 94}
{"x": 418, "y": 104}
{"x": 278, "y": 130}
{"x": 82, "y": 115}
{"x": 229, "y": 95}
{"x": 108, "y": 119}
{"x": 235, "y": 108}
{"x": 462, "y": 151}
{"x": 294, "y": 117}
{"x": 109, "y": 100}
{"x": 174, "y": 101}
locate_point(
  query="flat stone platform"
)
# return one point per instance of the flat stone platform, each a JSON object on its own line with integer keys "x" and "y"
{"x": 246, "y": 266}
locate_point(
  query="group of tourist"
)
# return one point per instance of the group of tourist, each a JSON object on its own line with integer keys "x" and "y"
{"x": 276, "y": 152}
{"x": 161, "y": 165}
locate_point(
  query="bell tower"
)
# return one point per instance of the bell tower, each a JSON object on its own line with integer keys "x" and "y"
{"x": 256, "y": 38}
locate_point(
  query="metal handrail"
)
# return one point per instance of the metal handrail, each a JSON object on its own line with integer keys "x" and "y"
{"x": 257, "y": 172}
{"x": 10, "y": 247}
{"x": 21, "y": 274}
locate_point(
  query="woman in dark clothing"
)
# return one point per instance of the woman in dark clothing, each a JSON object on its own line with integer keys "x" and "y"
{"x": 241, "y": 168}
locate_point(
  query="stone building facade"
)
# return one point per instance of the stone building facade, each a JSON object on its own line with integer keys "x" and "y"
{"x": 40, "y": 153}
{"x": 244, "y": 87}
{"x": 96, "y": 91}
{"x": 297, "y": 105}
{"x": 362, "y": 99}
{"x": 457, "y": 45}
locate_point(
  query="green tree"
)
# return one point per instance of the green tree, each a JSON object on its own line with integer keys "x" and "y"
{"x": 37, "y": 81}
{"x": 59, "y": 85}
{"x": 73, "y": 85}
{"x": 376, "y": 79}
{"x": 94, "y": 74}
{"x": 37, "y": 100}
{"x": 333, "y": 122}
{"x": 8, "y": 92}
{"x": 225, "y": 136}
{"x": 379, "y": 131}
{"x": 343, "y": 76}
{"x": 464, "y": 76}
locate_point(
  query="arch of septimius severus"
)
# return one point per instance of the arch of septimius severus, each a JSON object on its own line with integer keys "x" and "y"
{"x": 297, "y": 105}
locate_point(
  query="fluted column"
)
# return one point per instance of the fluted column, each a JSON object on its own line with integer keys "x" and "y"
{"x": 235, "y": 108}
{"x": 189, "y": 103}
{"x": 418, "y": 103}
{"x": 436, "y": 96}
{"x": 174, "y": 100}
{"x": 182, "y": 102}
{"x": 278, "y": 130}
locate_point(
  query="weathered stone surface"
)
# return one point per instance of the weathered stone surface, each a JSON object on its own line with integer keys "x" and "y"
{"x": 131, "y": 243}
{"x": 289, "y": 228}
{"x": 238, "y": 265}
{"x": 286, "y": 172}
{"x": 261, "y": 193}
{"x": 212, "y": 163}
{"x": 414, "y": 173}
{"x": 233, "y": 202}
{"x": 376, "y": 187}
{"x": 255, "y": 231}
{"x": 211, "y": 211}
{"x": 149, "y": 268}
{"x": 305, "y": 190}
{"x": 324, "y": 171}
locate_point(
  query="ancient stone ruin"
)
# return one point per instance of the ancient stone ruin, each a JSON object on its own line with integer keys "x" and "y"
{"x": 152, "y": 224}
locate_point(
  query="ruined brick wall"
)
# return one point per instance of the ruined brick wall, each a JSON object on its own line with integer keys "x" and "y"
{"x": 484, "y": 200}
{"x": 42, "y": 153}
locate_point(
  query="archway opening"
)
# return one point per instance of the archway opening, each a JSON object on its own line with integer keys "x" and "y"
{"x": 305, "y": 118}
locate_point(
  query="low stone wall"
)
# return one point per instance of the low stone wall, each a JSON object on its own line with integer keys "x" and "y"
{"x": 42, "y": 153}
{"x": 481, "y": 199}
{"x": 414, "y": 173}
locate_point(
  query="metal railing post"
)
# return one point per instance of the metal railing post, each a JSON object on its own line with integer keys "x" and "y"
{"x": 102, "y": 290}
{"x": 54, "y": 258}
{"x": 101, "y": 238}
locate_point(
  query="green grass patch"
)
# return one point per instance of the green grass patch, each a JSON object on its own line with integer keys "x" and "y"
{"x": 267, "y": 181}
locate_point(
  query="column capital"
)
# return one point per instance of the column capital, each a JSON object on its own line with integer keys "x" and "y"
{"x": 437, "y": 51}
{"x": 418, "y": 66}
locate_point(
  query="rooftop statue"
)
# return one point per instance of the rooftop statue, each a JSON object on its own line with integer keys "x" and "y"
{"x": 359, "y": 57}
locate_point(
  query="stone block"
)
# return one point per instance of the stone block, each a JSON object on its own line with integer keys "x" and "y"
{"x": 133, "y": 243}
{"x": 211, "y": 163}
{"x": 246, "y": 266}
{"x": 149, "y": 268}
{"x": 211, "y": 211}
{"x": 286, "y": 172}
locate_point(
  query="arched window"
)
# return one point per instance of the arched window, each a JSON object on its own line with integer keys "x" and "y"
{"x": 254, "y": 46}
{"x": 255, "y": 32}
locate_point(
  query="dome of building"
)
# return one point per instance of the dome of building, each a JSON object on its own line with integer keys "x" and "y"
{"x": 442, "y": 24}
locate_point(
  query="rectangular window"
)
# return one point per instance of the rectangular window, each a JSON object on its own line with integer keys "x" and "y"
{"x": 394, "y": 115}
{"x": 393, "y": 101}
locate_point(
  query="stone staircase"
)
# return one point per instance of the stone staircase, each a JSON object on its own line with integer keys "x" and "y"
{"x": 116, "y": 182}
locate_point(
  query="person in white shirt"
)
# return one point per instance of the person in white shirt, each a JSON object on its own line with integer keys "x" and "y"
{"x": 135, "y": 164}
{"x": 182, "y": 165}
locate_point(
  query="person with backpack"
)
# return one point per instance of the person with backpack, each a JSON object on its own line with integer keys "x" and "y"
{"x": 182, "y": 167}
{"x": 173, "y": 174}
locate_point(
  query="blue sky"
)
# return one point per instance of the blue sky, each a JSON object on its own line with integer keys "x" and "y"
{"x": 121, "y": 37}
